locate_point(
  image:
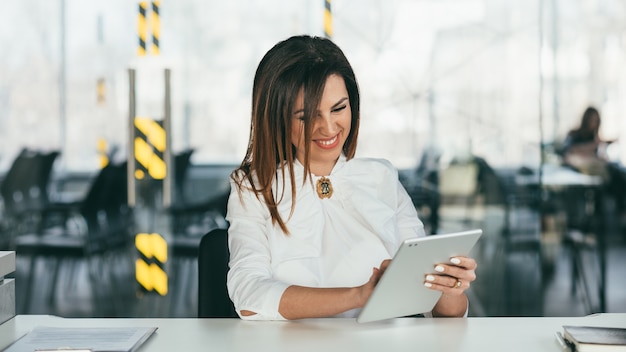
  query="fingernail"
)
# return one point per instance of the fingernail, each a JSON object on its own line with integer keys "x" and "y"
{"x": 439, "y": 268}
{"x": 428, "y": 284}
{"x": 430, "y": 278}
{"x": 456, "y": 261}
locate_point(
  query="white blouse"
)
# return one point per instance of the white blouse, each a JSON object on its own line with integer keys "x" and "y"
{"x": 333, "y": 242}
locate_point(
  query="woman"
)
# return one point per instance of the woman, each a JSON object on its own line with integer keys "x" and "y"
{"x": 585, "y": 151}
{"x": 311, "y": 227}
{"x": 581, "y": 148}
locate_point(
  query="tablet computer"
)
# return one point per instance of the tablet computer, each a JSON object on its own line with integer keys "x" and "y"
{"x": 400, "y": 291}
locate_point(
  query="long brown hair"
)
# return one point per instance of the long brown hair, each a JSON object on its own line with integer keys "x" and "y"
{"x": 298, "y": 63}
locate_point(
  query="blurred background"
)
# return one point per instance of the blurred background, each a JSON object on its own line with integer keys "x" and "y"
{"x": 470, "y": 99}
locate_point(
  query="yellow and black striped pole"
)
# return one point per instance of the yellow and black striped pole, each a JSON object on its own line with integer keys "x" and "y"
{"x": 155, "y": 22}
{"x": 102, "y": 152}
{"x": 148, "y": 161}
{"x": 149, "y": 267}
{"x": 142, "y": 28}
{"x": 149, "y": 145}
{"x": 328, "y": 20}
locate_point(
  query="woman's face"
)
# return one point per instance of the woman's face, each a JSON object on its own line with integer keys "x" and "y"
{"x": 594, "y": 122}
{"x": 331, "y": 126}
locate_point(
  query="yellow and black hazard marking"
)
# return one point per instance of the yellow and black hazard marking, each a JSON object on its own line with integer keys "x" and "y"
{"x": 156, "y": 27}
{"x": 142, "y": 28}
{"x": 328, "y": 19}
{"x": 150, "y": 144}
{"x": 152, "y": 22}
{"x": 149, "y": 270}
{"x": 102, "y": 152}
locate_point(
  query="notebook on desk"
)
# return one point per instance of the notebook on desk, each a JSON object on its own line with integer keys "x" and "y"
{"x": 401, "y": 291}
{"x": 594, "y": 338}
{"x": 109, "y": 339}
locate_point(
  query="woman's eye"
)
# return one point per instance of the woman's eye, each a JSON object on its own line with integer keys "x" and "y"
{"x": 339, "y": 108}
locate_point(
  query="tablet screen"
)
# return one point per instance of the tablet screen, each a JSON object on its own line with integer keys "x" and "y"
{"x": 401, "y": 291}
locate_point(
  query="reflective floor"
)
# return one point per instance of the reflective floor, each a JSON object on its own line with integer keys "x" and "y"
{"x": 117, "y": 294}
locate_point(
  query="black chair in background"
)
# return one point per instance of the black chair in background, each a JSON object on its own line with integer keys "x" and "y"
{"x": 422, "y": 185}
{"x": 182, "y": 164}
{"x": 511, "y": 250}
{"x": 95, "y": 231}
{"x": 213, "y": 299}
{"x": 194, "y": 218}
{"x": 585, "y": 239}
{"x": 190, "y": 221}
{"x": 24, "y": 192}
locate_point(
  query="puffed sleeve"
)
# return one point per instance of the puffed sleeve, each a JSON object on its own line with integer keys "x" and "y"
{"x": 409, "y": 224}
{"x": 250, "y": 283}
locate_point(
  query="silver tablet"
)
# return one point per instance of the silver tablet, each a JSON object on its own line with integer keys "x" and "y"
{"x": 401, "y": 291}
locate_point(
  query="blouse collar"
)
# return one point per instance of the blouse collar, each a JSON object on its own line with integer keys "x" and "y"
{"x": 299, "y": 168}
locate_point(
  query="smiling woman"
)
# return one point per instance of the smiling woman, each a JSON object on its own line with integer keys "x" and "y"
{"x": 311, "y": 227}
{"x": 330, "y": 126}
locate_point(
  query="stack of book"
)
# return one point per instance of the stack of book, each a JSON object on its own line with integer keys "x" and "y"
{"x": 594, "y": 338}
{"x": 7, "y": 286}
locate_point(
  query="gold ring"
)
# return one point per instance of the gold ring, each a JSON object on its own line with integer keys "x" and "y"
{"x": 457, "y": 284}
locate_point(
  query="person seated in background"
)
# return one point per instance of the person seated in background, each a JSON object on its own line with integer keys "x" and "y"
{"x": 312, "y": 227}
{"x": 585, "y": 151}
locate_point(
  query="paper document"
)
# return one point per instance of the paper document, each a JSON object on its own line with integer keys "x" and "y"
{"x": 43, "y": 339}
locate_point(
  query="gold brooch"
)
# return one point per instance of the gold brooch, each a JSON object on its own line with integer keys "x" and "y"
{"x": 324, "y": 188}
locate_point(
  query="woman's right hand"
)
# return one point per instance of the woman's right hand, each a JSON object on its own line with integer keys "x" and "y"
{"x": 365, "y": 291}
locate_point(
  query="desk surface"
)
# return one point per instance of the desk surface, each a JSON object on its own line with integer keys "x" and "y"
{"x": 559, "y": 176}
{"x": 447, "y": 334}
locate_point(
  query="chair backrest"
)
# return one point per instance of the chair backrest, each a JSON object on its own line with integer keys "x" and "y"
{"x": 104, "y": 207}
{"x": 182, "y": 163}
{"x": 213, "y": 256}
{"x": 24, "y": 192}
{"x": 45, "y": 164}
{"x": 25, "y": 187}
{"x": 15, "y": 182}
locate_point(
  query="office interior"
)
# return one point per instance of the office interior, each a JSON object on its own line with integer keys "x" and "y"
{"x": 470, "y": 99}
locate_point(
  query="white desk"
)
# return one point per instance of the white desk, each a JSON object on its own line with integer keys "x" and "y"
{"x": 408, "y": 334}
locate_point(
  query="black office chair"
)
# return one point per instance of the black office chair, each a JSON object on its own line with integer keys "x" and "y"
{"x": 24, "y": 192}
{"x": 213, "y": 300}
{"x": 96, "y": 232}
{"x": 189, "y": 222}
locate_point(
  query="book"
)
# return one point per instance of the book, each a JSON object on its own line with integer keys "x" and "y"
{"x": 594, "y": 338}
{"x": 7, "y": 263}
{"x": 49, "y": 339}
{"x": 7, "y": 286}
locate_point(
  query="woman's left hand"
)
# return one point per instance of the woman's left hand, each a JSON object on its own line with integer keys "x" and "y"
{"x": 454, "y": 277}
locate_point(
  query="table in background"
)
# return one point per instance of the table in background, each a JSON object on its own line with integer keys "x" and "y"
{"x": 583, "y": 198}
{"x": 403, "y": 334}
